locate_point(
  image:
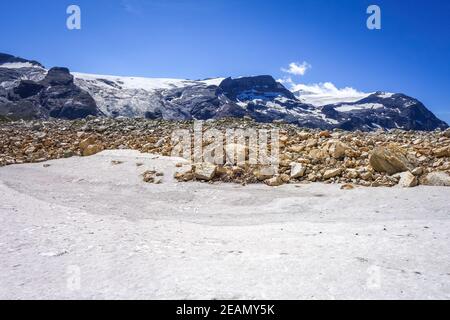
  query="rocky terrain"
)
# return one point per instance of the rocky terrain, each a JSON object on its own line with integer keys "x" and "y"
{"x": 379, "y": 158}
{"x": 29, "y": 91}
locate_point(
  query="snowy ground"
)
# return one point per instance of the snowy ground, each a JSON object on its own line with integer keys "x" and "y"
{"x": 86, "y": 228}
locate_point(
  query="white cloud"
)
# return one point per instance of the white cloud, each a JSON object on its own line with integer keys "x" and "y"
{"x": 320, "y": 94}
{"x": 287, "y": 82}
{"x": 297, "y": 69}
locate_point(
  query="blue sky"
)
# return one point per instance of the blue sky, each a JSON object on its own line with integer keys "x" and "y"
{"x": 209, "y": 38}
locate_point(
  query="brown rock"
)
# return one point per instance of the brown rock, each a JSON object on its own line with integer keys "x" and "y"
{"x": 205, "y": 171}
{"x": 149, "y": 176}
{"x": 417, "y": 171}
{"x": 296, "y": 148}
{"x": 87, "y": 142}
{"x": 337, "y": 149}
{"x": 304, "y": 135}
{"x": 389, "y": 159}
{"x": 442, "y": 152}
{"x": 332, "y": 173}
{"x": 347, "y": 187}
{"x": 318, "y": 154}
{"x": 91, "y": 150}
{"x": 274, "y": 182}
{"x": 285, "y": 178}
{"x": 325, "y": 134}
{"x": 352, "y": 173}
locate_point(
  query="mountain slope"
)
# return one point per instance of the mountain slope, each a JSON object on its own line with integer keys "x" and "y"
{"x": 384, "y": 110}
{"x": 29, "y": 91}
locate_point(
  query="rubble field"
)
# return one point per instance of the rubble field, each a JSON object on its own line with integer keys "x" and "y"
{"x": 372, "y": 159}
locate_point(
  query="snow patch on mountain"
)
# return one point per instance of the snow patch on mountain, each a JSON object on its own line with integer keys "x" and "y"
{"x": 363, "y": 106}
{"x": 133, "y": 83}
{"x": 385, "y": 95}
{"x": 18, "y": 65}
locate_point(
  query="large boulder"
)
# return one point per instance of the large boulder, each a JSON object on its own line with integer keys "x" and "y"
{"x": 390, "y": 159}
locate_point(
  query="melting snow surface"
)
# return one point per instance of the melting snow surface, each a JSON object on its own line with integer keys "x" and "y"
{"x": 126, "y": 239}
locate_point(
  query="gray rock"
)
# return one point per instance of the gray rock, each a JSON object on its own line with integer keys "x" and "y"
{"x": 438, "y": 178}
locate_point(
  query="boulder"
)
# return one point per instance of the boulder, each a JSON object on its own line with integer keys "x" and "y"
{"x": 325, "y": 134}
{"x": 407, "y": 180}
{"x": 437, "y": 178}
{"x": 337, "y": 149}
{"x": 318, "y": 154}
{"x": 285, "y": 178}
{"x": 347, "y": 187}
{"x": 297, "y": 170}
{"x": 265, "y": 173}
{"x": 87, "y": 142}
{"x": 389, "y": 159}
{"x": 274, "y": 182}
{"x": 332, "y": 173}
{"x": 205, "y": 171}
{"x": 92, "y": 149}
{"x": 442, "y": 152}
{"x": 304, "y": 135}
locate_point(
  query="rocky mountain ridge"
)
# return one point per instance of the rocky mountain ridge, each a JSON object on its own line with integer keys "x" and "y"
{"x": 29, "y": 91}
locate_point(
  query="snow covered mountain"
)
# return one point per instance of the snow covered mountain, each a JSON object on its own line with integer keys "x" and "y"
{"x": 29, "y": 91}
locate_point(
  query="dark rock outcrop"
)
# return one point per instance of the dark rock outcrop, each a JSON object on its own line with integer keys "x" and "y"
{"x": 264, "y": 87}
{"x": 55, "y": 96}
